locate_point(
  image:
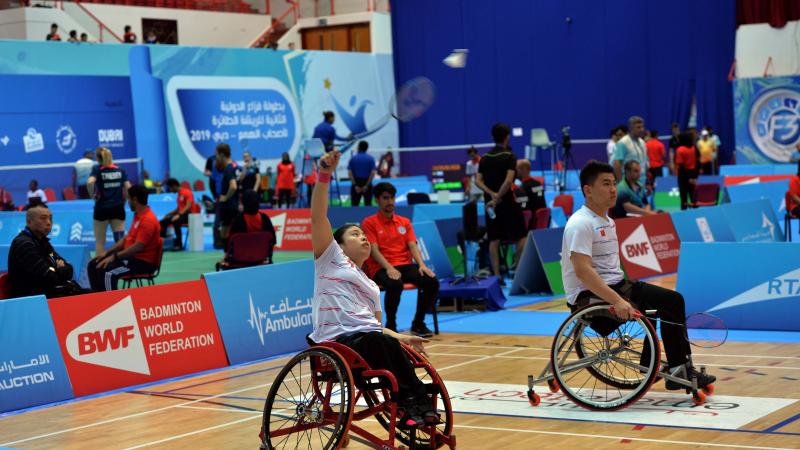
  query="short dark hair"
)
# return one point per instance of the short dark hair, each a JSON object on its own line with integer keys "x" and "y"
{"x": 127, "y": 28}
{"x": 338, "y": 235}
{"x": 327, "y": 114}
{"x": 224, "y": 149}
{"x": 629, "y": 164}
{"x": 686, "y": 138}
{"x": 73, "y": 33}
{"x": 173, "y": 182}
{"x": 472, "y": 150}
{"x": 382, "y": 187}
{"x": 250, "y": 202}
{"x": 138, "y": 192}
{"x": 592, "y": 170}
{"x": 53, "y": 25}
{"x": 654, "y": 134}
{"x": 363, "y": 146}
{"x": 675, "y": 125}
{"x": 500, "y": 132}
{"x": 624, "y": 128}
{"x": 613, "y": 131}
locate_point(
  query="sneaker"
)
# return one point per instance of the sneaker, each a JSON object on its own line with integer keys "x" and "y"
{"x": 419, "y": 329}
{"x": 703, "y": 380}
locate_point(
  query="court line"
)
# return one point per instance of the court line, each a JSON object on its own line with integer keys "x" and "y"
{"x": 172, "y": 438}
{"x": 203, "y": 408}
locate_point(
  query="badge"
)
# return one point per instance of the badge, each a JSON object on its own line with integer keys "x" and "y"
{"x": 401, "y": 229}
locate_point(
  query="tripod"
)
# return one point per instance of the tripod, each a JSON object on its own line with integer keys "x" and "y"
{"x": 569, "y": 161}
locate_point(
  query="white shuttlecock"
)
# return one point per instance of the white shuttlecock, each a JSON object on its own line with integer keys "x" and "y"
{"x": 457, "y": 59}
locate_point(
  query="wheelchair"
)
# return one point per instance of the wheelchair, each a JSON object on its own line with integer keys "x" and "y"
{"x": 604, "y": 364}
{"x": 322, "y": 391}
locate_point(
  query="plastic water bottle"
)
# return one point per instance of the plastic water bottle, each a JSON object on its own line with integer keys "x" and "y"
{"x": 491, "y": 213}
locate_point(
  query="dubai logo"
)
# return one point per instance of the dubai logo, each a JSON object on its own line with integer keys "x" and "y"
{"x": 66, "y": 139}
{"x": 775, "y": 123}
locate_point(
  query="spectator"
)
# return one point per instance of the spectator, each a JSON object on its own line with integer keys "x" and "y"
{"x": 84, "y": 37}
{"x": 531, "y": 194}
{"x": 385, "y": 165}
{"x": 708, "y": 153}
{"x": 270, "y": 186}
{"x": 36, "y": 196}
{"x": 250, "y": 177}
{"x": 795, "y": 156}
{"x": 134, "y": 255}
{"x": 291, "y": 46}
{"x": 228, "y": 199}
{"x": 285, "y": 184}
{"x": 151, "y": 37}
{"x": 73, "y": 36}
{"x": 686, "y": 165}
{"x": 361, "y": 170}
{"x": 129, "y": 37}
{"x": 53, "y": 35}
{"x": 471, "y": 190}
{"x": 674, "y": 143}
{"x": 251, "y": 220}
{"x": 793, "y": 207}
{"x": 153, "y": 187}
{"x": 631, "y": 196}
{"x": 108, "y": 185}
{"x": 215, "y": 186}
{"x": 83, "y": 169}
{"x": 6, "y": 200}
{"x": 309, "y": 175}
{"x": 504, "y": 218}
{"x": 178, "y": 216}
{"x": 655, "y": 155}
{"x": 632, "y": 146}
{"x": 325, "y": 131}
{"x": 714, "y": 137}
{"x": 616, "y": 134}
{"x": 393, "y": 251}
{"x": 34, "y": 267}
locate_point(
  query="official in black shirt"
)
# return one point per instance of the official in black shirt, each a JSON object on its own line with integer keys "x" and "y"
{"x": 496, "y": 177}
{"x": 34, "y": 267}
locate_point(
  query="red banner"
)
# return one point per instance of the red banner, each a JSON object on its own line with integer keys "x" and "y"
{"x": 292, "y": 228}
{"x": 742, "y": 179}
{"x": 648, "y": 245}
{"x": 133, "y": 336}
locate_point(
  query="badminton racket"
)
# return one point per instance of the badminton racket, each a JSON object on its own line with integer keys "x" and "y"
{"x": 703, "y": 330}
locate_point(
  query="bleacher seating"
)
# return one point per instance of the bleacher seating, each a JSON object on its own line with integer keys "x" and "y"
{"x": 234, "y": 6}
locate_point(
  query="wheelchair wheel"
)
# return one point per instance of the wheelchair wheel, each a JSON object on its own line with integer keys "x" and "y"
{"x": 601, "y": 363}
{"x": 310, "y": 402}
{"x": 436, "y": 388}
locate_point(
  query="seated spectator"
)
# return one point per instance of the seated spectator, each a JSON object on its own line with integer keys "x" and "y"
{"x": 129, "y": 37}
{"x": 137, "y": 253}
{"x": 84, "y": 37}
{"x": 178, "y": 216}
{"x": 251, "y": 220}
{"x": 531, "y": 195}
{"x": 36, "y": 196}
{"x": 73, "y": 36}
{"x": 393, "y": 251}
{"x": 34, "y": 267}
{"x": 631, "y": 196}
{"x": 151, "y": 38}
{"x": 53, "y": 35}
{"x": 793, "y": 207}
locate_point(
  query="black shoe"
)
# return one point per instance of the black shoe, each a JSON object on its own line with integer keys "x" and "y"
{"x": 703, "y": 380}
{"x": 419, "y": 329}
{"x": 408, "y": 414}
{"x": 502, "y": 281}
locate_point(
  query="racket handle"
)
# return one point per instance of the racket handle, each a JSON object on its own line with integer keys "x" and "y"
{"x": 636, "y": 313}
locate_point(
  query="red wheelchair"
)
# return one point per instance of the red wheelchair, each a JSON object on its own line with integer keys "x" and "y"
{"x": 322, "y": 391}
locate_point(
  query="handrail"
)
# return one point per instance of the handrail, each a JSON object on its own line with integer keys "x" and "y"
{"x": 100, "y": 24}
{"x": 295, "y": 6}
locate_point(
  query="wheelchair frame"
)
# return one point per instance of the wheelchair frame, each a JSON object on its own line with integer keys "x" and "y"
{"x": 603, "y": 345}
{"x": 341, "y": 381}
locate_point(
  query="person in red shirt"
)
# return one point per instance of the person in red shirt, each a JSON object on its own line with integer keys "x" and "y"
{"x": 180, "y": 215}
{"x": 285, "y": 181}
{"x": 656, "y": 153}
{"x": 391, "y": 263}
{"x": 53, "y": 35}
{"x": 794, "y": 194}
{"x": 686, "y": 165}
{"x": 137, "y": 253}
{"x": 129, "y": 37}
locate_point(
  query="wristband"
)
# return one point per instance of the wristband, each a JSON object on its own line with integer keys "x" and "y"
{"x": 324, "y": 177}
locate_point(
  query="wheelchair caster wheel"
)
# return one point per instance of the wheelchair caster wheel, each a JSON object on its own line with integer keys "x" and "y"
{"x": 708, "y": 390}
{"x": 553, "y": 385}
{"x": 699, "y": 398}
{"x": 345, "y": 441}
{"x": 533, "y": 398}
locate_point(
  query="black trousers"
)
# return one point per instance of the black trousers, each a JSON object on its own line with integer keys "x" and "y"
{"x": 167, "y": 221}
{"x": 686, "y": 188}
{"x": 284, "y": 197}
{"x": 106, "y": 279}
{"x": 428, "y": 289}
{"x": 669, "y": 306}
{"x": 355, "y": 197}
{"x": 384, "y": 352}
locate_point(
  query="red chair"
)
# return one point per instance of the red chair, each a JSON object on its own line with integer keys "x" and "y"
{"x": 566, "y": 202}
{"x": 706, "y": 194}
{"x": 50, "y": 194}
{"x": 787, "y": 219}
{"x": 68, "y": 194}
{"x": 5, "y": 286}
{"x": 248, "y": 250}
{"x": 150, "y": 278}
{"x": 199, "y": 186}
{"x": 185, "y": 184}
{"x": 542, "y": 218}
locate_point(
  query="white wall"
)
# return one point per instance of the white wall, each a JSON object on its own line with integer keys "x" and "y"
{"x": 12, "y": 24}
{"x": 380, "y": 29}
{"x": 756, "y": 43}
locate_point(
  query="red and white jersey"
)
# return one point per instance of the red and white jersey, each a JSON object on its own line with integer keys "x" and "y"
{"x": 345, "y": 299}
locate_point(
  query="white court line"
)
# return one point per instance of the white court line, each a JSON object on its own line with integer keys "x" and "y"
{"x": 203, "y": 408}
{"x": 172, "y": 438}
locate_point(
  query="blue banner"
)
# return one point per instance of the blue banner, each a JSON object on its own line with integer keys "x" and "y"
{"x": 774, "y": 191}
{"x": 258, "y": 322}
{"x": 32, "y": 370}
{"x": 432, "y": 249}
{"x": 702, "y": 225}
{"x": 766, "y": 111}
{"x": 758, "y": 169}
{"x": 69, "y": 227}
{"x": 753, "y": 221}
{"x": 765, "y": 299}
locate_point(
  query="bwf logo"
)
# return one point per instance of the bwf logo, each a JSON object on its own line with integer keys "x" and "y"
{"x": 110, "y": 339}
{"x": 638, "y": 250}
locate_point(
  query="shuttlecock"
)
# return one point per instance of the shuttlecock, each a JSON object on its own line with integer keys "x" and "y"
{"x": 457, "y": 59}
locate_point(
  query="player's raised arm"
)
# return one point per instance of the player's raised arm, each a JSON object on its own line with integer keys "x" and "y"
{"x": 321, "y": 232}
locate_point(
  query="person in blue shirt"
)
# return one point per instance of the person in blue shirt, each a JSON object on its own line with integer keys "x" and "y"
{"x": 361, "y": 170}
{"x": 325, "y": 131}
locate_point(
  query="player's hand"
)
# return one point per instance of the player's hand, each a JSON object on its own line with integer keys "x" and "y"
{"x": 393, "y": 273}
{"x": 329, "y": 161}
{"x": 625, "y": 311}
{"x": 175, "y": 218}
{"x": 416, "y": 343}
{"x": 425, "y": 270}
{"x": 105, "y": 262}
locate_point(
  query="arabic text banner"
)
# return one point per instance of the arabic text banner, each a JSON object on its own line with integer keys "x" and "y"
{"x": 263, "y": 311}
{"x": 32, "y": 370}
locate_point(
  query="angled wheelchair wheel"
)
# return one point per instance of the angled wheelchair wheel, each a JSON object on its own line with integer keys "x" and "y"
{"x": 310, "y": 403}
{"x": 601, "y": 363}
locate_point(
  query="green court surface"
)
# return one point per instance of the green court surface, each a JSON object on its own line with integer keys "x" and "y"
{"x": 185, "y": 266}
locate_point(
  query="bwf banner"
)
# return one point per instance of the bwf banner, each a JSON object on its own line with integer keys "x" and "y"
{"x": 648, "y": 245}
{"x": 292, "y": 228}
{"x": 133, "y": 336}
{"x": 766, "y": 111}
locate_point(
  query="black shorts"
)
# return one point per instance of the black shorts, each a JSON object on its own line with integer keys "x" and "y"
{"x": 508, "y": 225}
{"x": 109, "y": 213}
{"x": 226, "y": 215}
